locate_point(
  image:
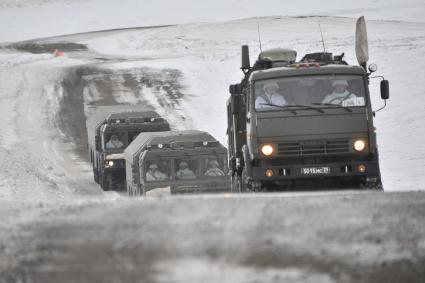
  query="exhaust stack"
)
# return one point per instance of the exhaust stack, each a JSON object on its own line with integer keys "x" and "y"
{"x": 245, "y": 58}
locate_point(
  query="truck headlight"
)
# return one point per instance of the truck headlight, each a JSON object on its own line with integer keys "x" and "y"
{"x": 359, "y": 145}
{"x": 267, "y": 149}
{"x": 269, "y": 173}
{"x": 109, "y": 163}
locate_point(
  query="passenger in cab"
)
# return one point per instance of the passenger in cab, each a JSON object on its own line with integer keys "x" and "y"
{"x": 213, "y": 169}
{"x": 184, "y": 171}
{"x": 153, "y": 174}
{"x": 270, "y": 99}
{"x": 339, "y": 94}
{"x": 114, "y": 142}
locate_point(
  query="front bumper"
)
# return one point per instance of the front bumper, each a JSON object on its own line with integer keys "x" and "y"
{"x": 200, "y": 189}
{"x": 113, "y": 169}
{"x": 193, "y": 186}
{"x": 311, "y": 171}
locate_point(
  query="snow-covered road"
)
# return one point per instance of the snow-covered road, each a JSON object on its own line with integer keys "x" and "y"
{"x": 316, "y": 237}
{"x": 39, "y": 162}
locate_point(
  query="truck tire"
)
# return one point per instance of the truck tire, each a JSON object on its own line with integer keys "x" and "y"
{"x": 243, "y": 181}
{"x": 106, "y": 182}
{"x": 235, "y": 183}
{"x": 141, "y": 191}
{"x": 95, "y": 175}
{"x": 173, "y": 190}
{"x": 239, "y": 184}
{"x": 374, "y": 187}
{"x": 130, "y": 191}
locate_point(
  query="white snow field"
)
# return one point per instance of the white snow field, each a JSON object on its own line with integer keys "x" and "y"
{"x": 28, "y": 19}
{"x": 57, "y": 225}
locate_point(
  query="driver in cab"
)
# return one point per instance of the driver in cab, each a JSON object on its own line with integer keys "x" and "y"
{"x": 270, "y": 99}
{"x": 339, "y": 94}
{"x": 114, "y": 142}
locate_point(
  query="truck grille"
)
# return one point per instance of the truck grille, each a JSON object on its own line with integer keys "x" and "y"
{"x": 313, "y": 147}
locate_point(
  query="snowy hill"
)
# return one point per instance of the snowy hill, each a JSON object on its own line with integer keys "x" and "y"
{"x": 26, "y": 19}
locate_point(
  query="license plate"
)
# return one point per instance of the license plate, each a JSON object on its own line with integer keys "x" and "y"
{"x": 316, "y": 171}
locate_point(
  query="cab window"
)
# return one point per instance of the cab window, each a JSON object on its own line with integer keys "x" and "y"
{"x": 214, "y": 167}
{"x": 115, "y": 141}
{"x": 186, "y": 169}
{"x": 157, "y": 171}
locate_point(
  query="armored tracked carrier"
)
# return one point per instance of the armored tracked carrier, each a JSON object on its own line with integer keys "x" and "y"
{"x": 304, "y": 124}
{"x": 110, "y": 129}
{"x": 185, "y": 161}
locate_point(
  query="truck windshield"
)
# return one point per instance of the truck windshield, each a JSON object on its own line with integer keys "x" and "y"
{"x": 312, "y": 91}
{"x": 115, "y": 140}
{"x": 157, "y": 171}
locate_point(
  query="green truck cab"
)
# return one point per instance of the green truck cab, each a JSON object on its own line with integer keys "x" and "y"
{"x": 186, "y": 161}
{"x": 304, "y": 124}
{"x": 110, "y": 129}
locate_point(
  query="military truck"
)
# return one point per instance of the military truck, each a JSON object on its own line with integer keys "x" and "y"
{"x": 186, "y": 161}
{"x": 110, "y": 129}
{"x": 304, "y": 124}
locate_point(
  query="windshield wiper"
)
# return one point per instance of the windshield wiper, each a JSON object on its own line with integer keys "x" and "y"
{"x": 289, "y": 107}
{"x": 334, "y": 106}
{"x": 307, "y": 107}
{"x": 283, "y": 107}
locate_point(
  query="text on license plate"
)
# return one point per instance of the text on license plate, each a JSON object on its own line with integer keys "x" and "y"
{"x": 315, "y": 170}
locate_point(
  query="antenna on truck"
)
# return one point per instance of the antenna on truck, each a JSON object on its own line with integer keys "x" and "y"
{"x": 259, "y": 36}
{"x": 323, "y": 41}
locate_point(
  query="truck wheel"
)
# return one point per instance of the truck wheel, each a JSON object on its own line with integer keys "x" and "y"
{"x": 173, "y": 190}
{"x": 95, "y": 175}
{"x": 106, "y": 182}
{"x": 129, "y": 191}
{"x": 375, "y": 186}
{"x": 239, "y": 182}
{"x": 243, "y": 178}
{"x": 235, "y": 183}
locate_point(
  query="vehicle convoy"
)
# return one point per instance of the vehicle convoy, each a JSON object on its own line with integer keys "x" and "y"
{"x": 110, "y": 129}
{"x": 185, "y": 161}
{"x": 305, "y": 124}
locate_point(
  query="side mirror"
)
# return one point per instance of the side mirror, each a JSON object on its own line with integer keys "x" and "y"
{"x": 385, "y": 89}
{"x": 235, "y": 89}
{"x": 97, "y": 142}
{"x": 235, "y": 104}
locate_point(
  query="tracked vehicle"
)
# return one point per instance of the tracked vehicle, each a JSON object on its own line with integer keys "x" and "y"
{"x": 304, "y": 124}
{"x": 185, "y": 161}
{"x": 110, "y": 129}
